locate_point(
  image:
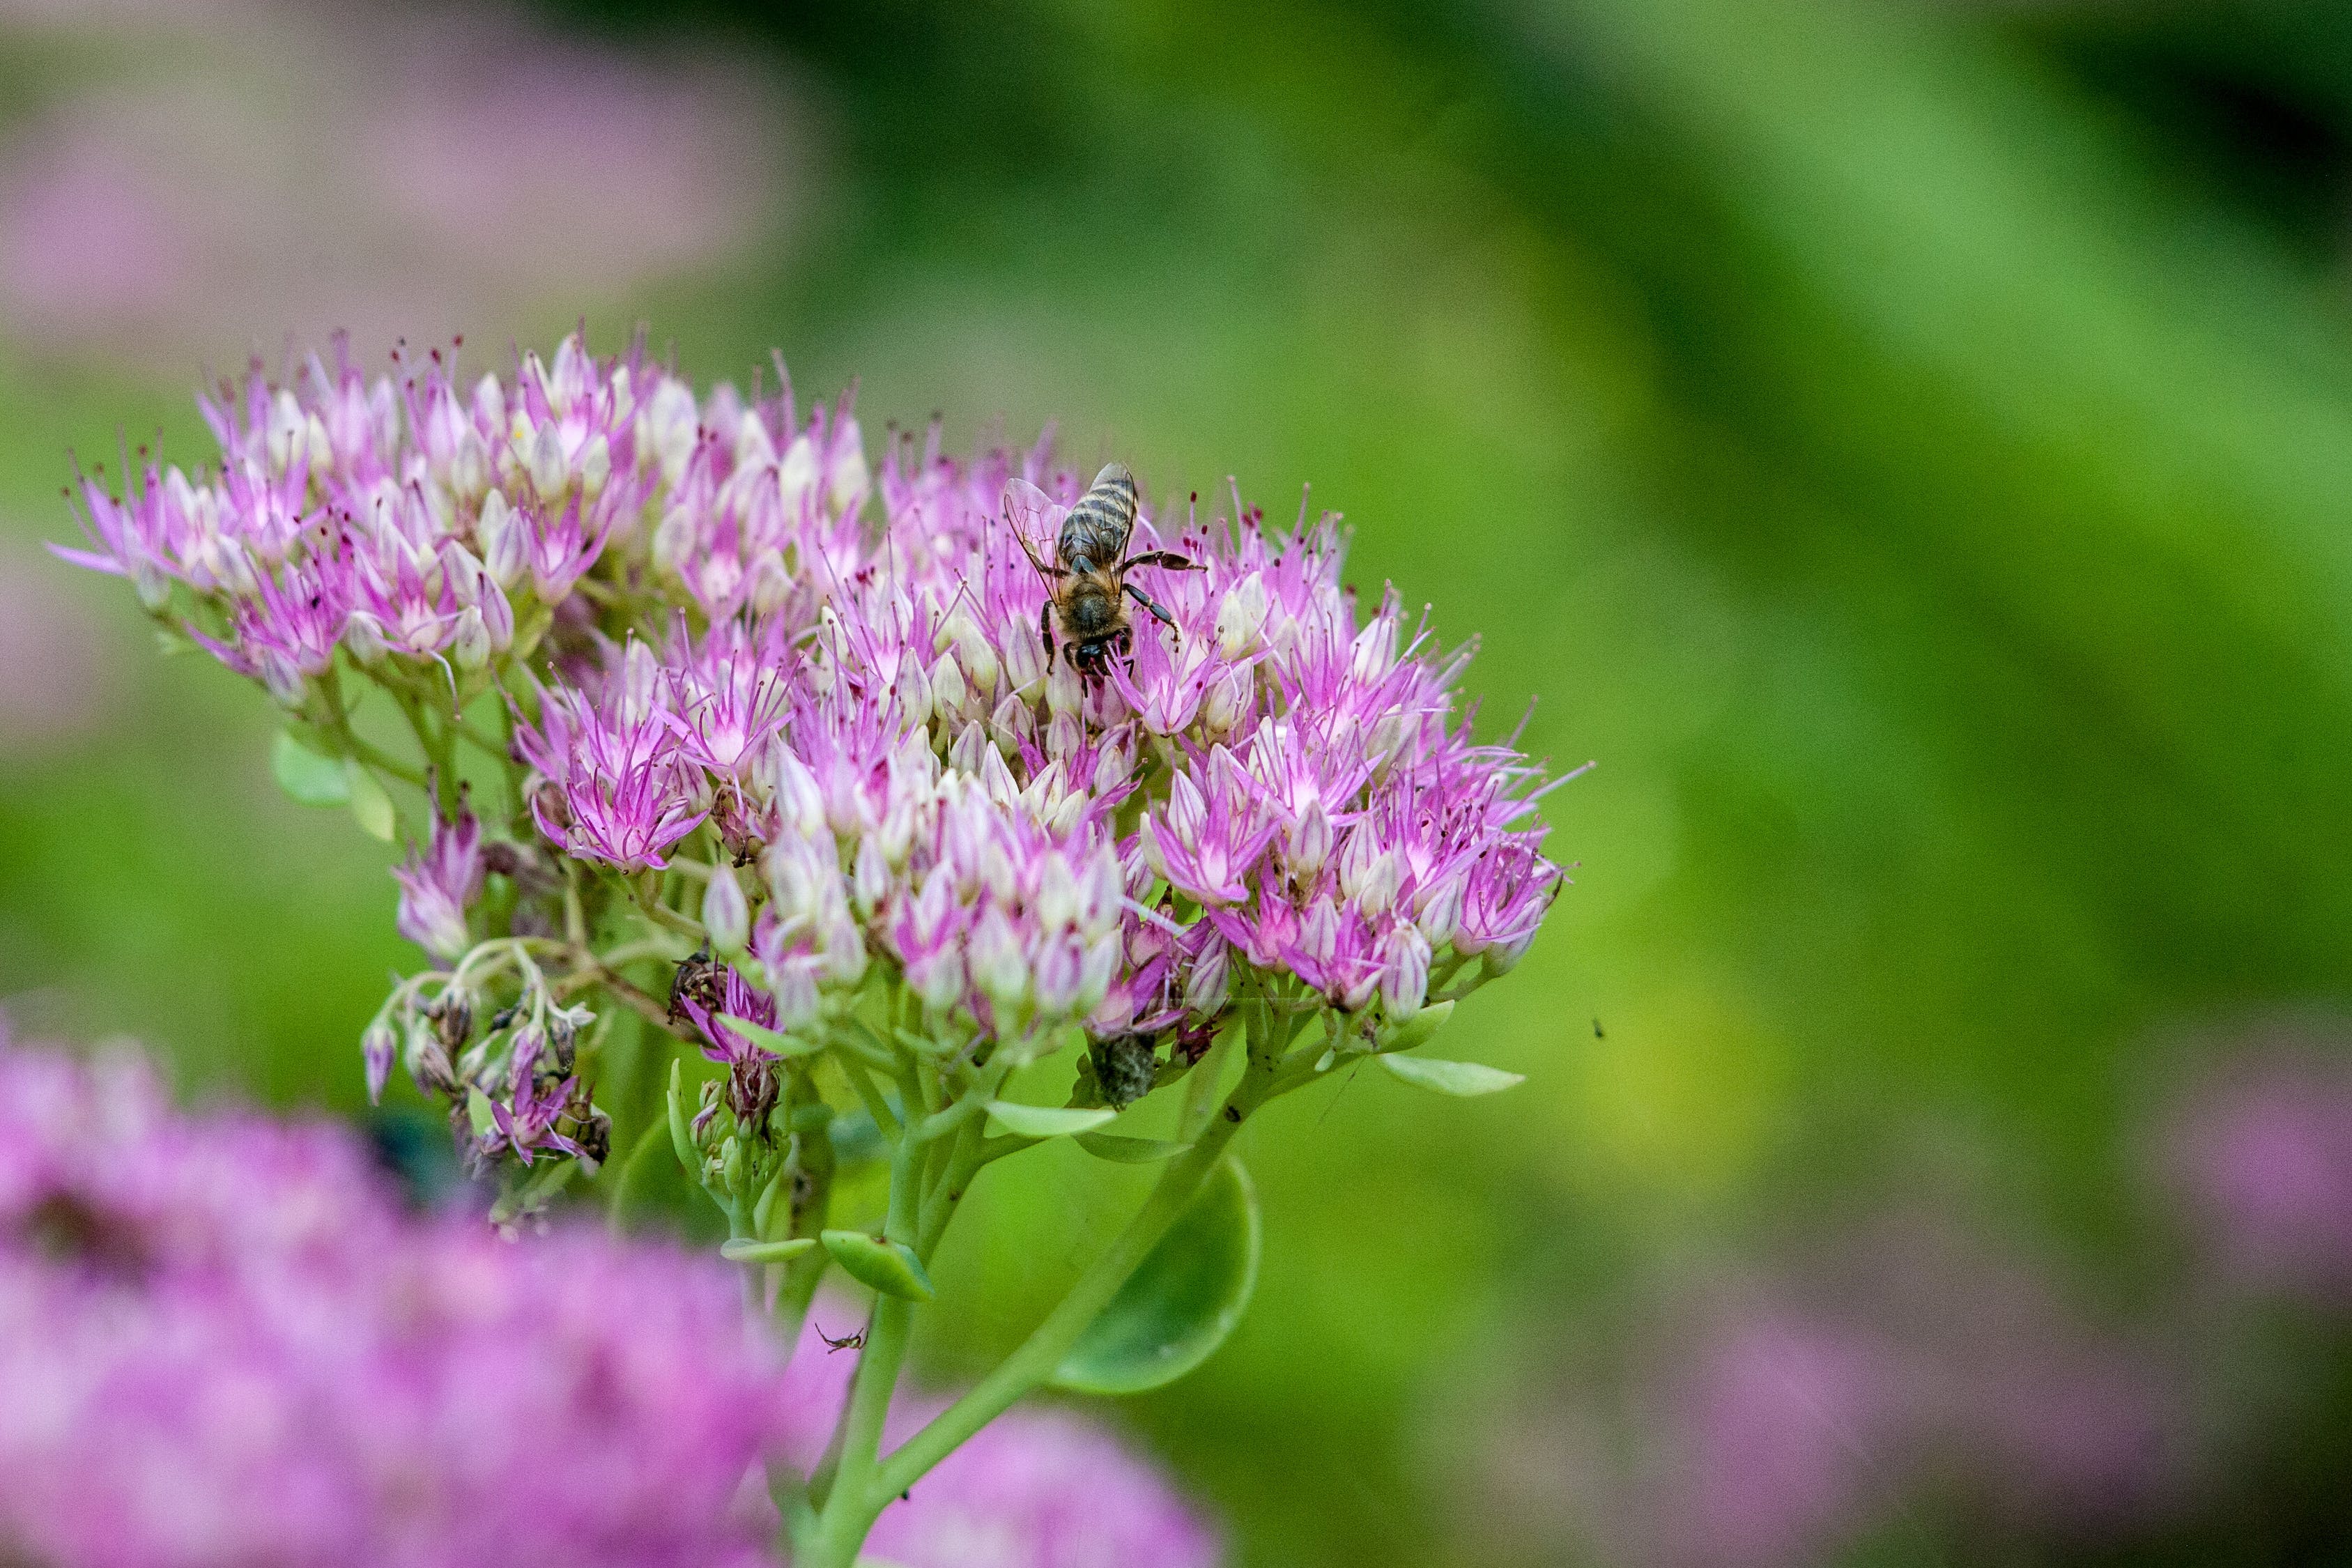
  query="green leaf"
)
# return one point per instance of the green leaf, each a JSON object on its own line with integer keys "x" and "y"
{"x": 1045, "y": 1121}
{"x": 657, "y": 1197}
{"x": 1464, "y": 1079}
{"x": 766, "y": 1251}
{"x": 303, "y": 773}
{"x": 1127, "y": 1150}
{"x": 769, "y": 1040}
{"x": 1416, "y": 1031}
{"x": 1177, "y": 1307}
{"x": 877, "y": 1261}
{"x": 371, "y": 807}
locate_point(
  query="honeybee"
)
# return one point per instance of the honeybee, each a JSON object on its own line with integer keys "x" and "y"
{"x": 1086, "y": 585}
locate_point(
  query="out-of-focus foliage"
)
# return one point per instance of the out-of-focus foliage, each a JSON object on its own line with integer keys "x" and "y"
{"x": 1909, "y": 446}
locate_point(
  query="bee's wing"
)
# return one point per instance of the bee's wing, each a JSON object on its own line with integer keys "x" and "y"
{"x": 1036, "y": 521}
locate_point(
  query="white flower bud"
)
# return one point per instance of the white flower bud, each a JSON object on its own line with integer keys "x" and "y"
{"x": 851, "y": 479}
{"x": 673, "y": 540}
{"x": 998, "y": 967}
{"x": 1206, "y": 989}
{"x": 1066, "y": 691}
{"x": 978, "y": 656}
{"x": 1441, "y": 912}
{"x": 1377, "y": 893}
{"x": 753, "y": 449}
{"x": 469, "y": 644}
{"x": 283, "y": 436}
{"x": 469, "y": 467}
{"x": 913, "y": 690}
{"x": 1025, "y": 657}
{"x": 1228, "y": 699}
{"x": 363, "y": 634}
{"x": 489, "y": 403}
{"x": 796, "y": 477}
{"x": 871, "y": 882}
{"x": 547, "y": 465}
{"x": 499, "y": 531}
{"x": 1308, "y": 841}
{"x": 949, "y": 693}
{"x": 770, "y": 584}
{"x": 641, "y": 678}
{"x": 1055, "y": 906}
{"x": 595, "y": 467}
{"x": 673, "y": 426}
{"x": 1240, "y": 617}
{"x": 726, "y": 914}
{"x": 1404, "y": 982}
{"x": 321, "y": 451}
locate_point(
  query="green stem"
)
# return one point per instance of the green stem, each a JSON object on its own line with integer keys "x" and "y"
{"x": 1039, "y": 1354}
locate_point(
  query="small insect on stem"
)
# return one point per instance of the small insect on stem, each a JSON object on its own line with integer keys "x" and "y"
{"x": 850, "y": 1341}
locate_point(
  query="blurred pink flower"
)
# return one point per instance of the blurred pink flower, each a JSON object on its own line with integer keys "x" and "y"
{"x": 2260, "y": 1146}
{"x": 61, "y": 678}
{"x": 302, "y": 168}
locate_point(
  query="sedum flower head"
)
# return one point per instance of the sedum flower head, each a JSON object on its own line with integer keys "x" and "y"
{"x": 724, "y": 637}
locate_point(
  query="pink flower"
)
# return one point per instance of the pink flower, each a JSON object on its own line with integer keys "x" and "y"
{"x": 222, "y": 1341}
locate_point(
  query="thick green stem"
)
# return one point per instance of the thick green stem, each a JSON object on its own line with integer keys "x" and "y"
{"x": 1034, "y": 1362}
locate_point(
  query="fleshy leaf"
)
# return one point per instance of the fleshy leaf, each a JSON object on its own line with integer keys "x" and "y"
{"x": 766, "y": 1251}
{"x": 1047, "y": 1120}
{"x": 1416, "y": 1031}
{"x": 656, "y": 1195}
{"x": 1127, "y": 1150}
{"x": 371, "y": 807}
{"x": 1180, "y": 1304}
{"x": 307, "y": 776}
{"x": 879, "y": 1263}
{"x": 1464, "y": 1079}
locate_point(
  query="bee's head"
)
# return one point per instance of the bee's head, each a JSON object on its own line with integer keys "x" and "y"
{"x": 1091, "y": 659}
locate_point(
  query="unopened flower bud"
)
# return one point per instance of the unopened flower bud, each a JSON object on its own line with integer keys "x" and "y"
{"x": 997, "y": 966}
{"x": 469, "y": 644}
{"x": 726, "y": 914}
{"x": 913, "y": 690}
{"x": 978, "y": 658}
{"x": 851, "y": 479}
{"x": 364, "y": 636}
{"x": 499, "y": 531}
{"x": 1229, "y": 698}
{"x": 770, "y": 584}
{"x": 547, "y": 466}
{"x": 377, "y": 1046}
{"x": 595, "y": 467}
{"x": 1308, "y": 842}
{"x": 673, "y": 426}
{"x": 1441, "y": 912}
{"x": 796, "y": 477}
{"x": 284, "y": 436}
{"x": 1206, "y": 989}
{"x": 1240, "y": 617}
{"x": 673, "y": 540}
{"x": 949, "y": 692}
{"x": 1065, "y": 690}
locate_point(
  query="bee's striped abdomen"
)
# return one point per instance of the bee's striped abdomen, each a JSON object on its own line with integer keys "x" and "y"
{"x": 1098, "y": 527}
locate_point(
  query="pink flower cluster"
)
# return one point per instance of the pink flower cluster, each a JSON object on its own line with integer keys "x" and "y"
{"x": 222, "y": 1340}
{"x": 724, "y": 635}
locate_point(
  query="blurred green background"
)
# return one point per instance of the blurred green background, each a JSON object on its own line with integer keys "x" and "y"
{"x": 1908, "y": 445}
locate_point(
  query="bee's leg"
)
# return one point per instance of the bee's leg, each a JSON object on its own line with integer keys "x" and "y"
{"x": 1045, "y": 630}
{"x": 1145, "y": 600}
{"x": 1167, "y": 558}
